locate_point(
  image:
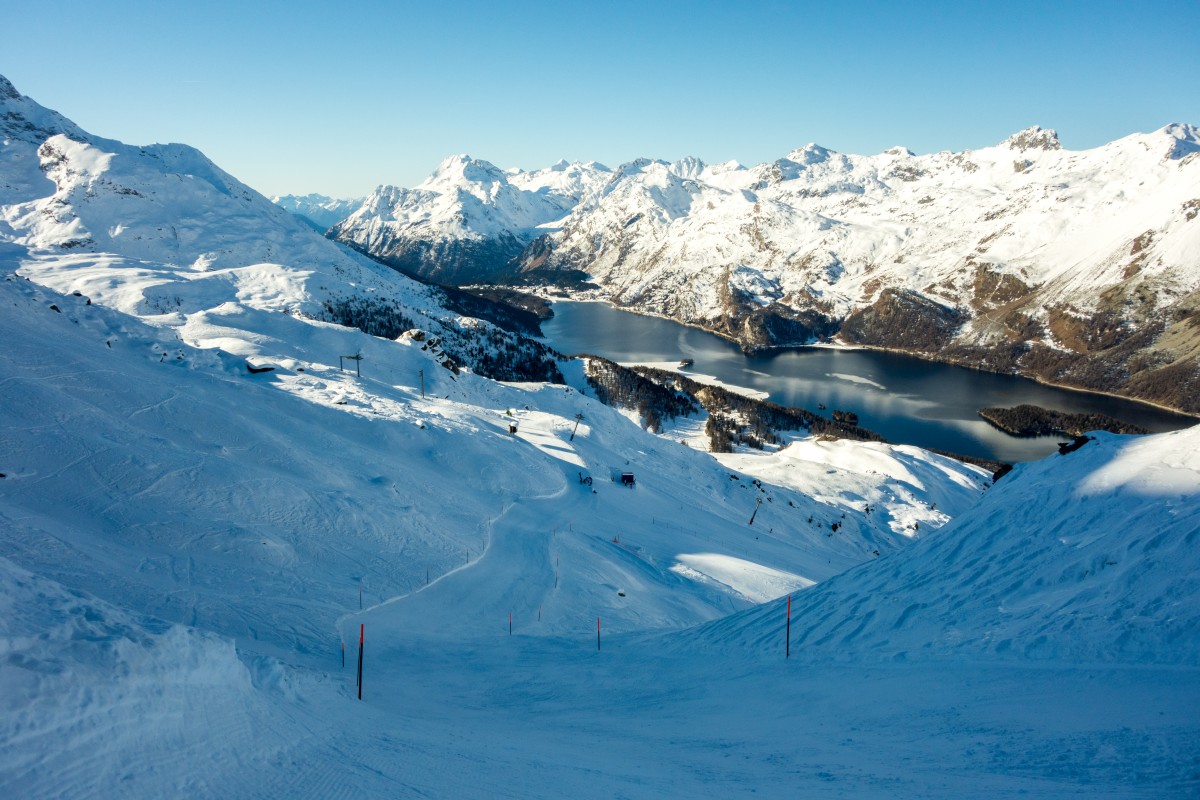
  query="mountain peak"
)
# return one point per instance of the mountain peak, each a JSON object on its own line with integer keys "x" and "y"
{"x": 1033, "y": 138}
{"x": 811, "y": 153}
{"x": 7, "y": 90}
{"x": 688, "y": 167}
{"x": 1185, "y": 140}
{"x": 455, "y": 161}
{"x": 460, "y": 168}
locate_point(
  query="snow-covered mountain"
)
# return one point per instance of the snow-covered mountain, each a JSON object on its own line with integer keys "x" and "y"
{"x": 322, "y": 211}
{"x": 469, "y": 220}
{"x": 65, "y": 190}
{"x": 155, "y": 255}
{"x": 1076, "y": 267}
{"x": 160, "y": 231}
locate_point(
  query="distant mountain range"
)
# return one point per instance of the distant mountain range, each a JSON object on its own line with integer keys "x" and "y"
{"x": 318, "y": 210}
{"x": 1079, "y": 268}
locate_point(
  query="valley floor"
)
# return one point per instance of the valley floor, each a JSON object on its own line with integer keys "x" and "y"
{"x": 555, "y": 718}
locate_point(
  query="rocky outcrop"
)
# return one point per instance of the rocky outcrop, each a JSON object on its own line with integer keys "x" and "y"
{"x": 904, "y": 321}
{"x": 448, "y": 261}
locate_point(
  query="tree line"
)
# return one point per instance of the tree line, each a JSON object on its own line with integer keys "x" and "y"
{"x": 1031, "y": 420}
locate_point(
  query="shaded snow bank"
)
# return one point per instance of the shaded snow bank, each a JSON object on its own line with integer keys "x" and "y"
{"x": 112, "y": 699}
{"x": 1092, "y": 556}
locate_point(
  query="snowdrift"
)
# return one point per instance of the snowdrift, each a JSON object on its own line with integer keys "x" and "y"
{"x": 108, "y": 698}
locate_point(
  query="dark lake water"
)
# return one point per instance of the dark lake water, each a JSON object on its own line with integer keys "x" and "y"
{"x": 907, "y": 400}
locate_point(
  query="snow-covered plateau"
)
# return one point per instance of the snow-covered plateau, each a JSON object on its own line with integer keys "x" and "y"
{"x": 1080, "y": 268}
{"x": 203, "y": 504}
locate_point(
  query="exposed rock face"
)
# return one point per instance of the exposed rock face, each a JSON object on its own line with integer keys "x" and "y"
{"x": 449, "y": 261}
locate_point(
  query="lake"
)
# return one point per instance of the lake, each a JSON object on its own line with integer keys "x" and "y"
{"x": 907, "y": 400}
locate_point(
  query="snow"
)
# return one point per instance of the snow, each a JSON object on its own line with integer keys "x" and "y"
{"x": 857, "y": 379}
{"x": 699, "y": 377}
{"x": 752, "y": 581}
{"x": 1061, "y": 562}
{"x": 470, "y": 199}
{"x": 184, "y": 547}
{"x": 324, "y": 212}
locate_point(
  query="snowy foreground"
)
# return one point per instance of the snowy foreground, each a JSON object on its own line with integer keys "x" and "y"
{"x": 185, "y": 545}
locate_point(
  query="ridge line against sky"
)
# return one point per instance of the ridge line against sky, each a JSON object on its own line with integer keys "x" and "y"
{"x": 319, "y": 97}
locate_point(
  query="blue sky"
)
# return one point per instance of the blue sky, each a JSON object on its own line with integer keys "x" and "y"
{"x": 340, "y": 97}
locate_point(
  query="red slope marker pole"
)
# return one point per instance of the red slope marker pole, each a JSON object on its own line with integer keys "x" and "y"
{"x": 597, "y": 634}
{"x": 787, "y": 652}
{"x": 510, "y": 623}
{"x": 361, "y": 631}
{"x": 343, "y": 653}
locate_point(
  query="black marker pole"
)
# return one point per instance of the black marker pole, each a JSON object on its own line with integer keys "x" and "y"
{"x": 361, "y": 635}
{"x": 787, "y": 648}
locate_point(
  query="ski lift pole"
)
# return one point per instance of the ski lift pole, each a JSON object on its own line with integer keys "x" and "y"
{"x": 757, "y": 504}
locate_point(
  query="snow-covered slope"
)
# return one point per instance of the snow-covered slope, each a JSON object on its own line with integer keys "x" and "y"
{"x": 65, "y": 190}
{"x": 162, "y": 232}
{"x": 185, "y": 544}
{"x": 173, "y": 279}
{"x": 1089, "y": 556}
{"x": 322, "y": 211}
{"x": 469, "y": 220}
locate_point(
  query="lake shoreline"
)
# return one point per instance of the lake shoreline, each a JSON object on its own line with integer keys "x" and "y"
{"x": 833, "y": 345}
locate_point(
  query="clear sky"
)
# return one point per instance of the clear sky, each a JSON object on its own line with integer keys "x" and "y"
{"x": 313, "y": 96}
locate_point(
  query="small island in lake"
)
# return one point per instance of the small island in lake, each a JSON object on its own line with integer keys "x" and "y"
{"x": 1027, "y": 420}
